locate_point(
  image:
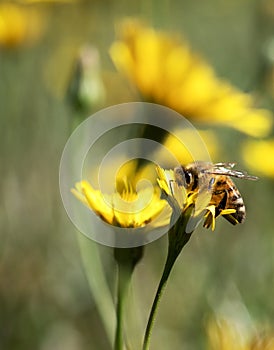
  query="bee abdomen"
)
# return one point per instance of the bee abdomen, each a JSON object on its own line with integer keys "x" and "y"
{"x": 237, "y": 203}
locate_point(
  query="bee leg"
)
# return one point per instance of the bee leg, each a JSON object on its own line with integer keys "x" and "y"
{"x": 222, "y": 204}
{"x": 231, "y": 218}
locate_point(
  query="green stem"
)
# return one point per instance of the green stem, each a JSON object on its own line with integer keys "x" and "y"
{"x": 124, "y": 276}
{"x": 98, "y": 283}
{"x": 127, "y": 259}
{"x": 162, "y": 284}
{"x": 178, "y": 238}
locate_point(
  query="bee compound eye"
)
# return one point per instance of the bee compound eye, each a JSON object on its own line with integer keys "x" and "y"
{"x": 188, "y": 177}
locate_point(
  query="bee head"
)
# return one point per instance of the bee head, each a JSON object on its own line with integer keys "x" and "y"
{"x": 184, "y": 176}
{"x": 188, "y": 176}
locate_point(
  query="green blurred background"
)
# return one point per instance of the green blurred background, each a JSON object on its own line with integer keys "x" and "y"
{"x": 45, "y": 298}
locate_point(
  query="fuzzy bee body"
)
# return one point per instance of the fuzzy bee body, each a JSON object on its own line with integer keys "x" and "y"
{"x": 215, "y": 178}
{"x": 225, "y": 195}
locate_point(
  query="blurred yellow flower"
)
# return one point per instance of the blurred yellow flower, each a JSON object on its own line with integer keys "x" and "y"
{"x": 166, "y": 71}
{"x": 259, "y": 156}
{"x": 183, "y": 146}
{"x": 18, "y": 25}
{"x": 180, "y": 199}
{"x": 224, "y": 335}
{"x": 126, "y": 209}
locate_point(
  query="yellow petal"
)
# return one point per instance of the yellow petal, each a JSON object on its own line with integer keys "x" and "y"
{"x": 164, "y": 178}
{"x": 126, "y": 209}
{"x": 97, "y": 202}
{"x": 228, "y": 211}
{"x": 210, "y": 217}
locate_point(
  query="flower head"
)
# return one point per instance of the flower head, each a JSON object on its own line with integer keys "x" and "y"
{"x": 166, "y": 71}
{"x": 128, "y": 208}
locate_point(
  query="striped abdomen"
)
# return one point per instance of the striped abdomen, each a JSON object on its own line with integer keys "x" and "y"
{"x": 225, "y": 195}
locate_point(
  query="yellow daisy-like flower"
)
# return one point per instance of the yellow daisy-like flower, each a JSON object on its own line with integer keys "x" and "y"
{"x": 258, "y": 155}
{"x": 166, "y": 71}
{"x": 126, "y": 209}
{"x": 180, "y": 199}
{"x": 224, "y": 335}
{"x": 18, "y": 25}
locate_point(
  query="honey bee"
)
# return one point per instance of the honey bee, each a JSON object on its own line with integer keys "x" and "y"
{"x": 200, "y": 176}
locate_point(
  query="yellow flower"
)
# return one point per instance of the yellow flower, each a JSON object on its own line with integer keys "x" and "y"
{"x": 18, "y": 25}
{"x": 180, "y": 199}
{"x": 125, "y": 209}
{"x": 225, "y": 335}
{"x": 168, "y": 72}
{"x": 258, "y": 155}
{"x": 185, "y": 148}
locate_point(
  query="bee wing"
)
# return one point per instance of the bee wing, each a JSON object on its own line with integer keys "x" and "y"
{"x": 227, "y": 169}
{"x": 227, "y": 165}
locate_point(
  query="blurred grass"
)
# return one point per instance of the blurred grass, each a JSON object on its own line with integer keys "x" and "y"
{"x": 45, "y": 301}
